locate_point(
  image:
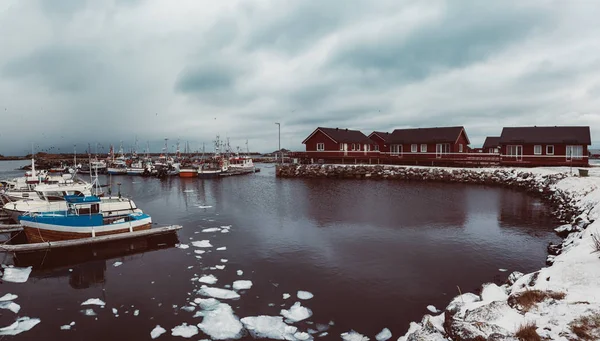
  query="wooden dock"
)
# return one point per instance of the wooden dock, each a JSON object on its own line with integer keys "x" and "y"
{"x": 87, "y": 241}
{"x": 7, "y": 228}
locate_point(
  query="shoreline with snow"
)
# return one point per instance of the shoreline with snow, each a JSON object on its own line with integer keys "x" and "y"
{"x": 558, "y": 302}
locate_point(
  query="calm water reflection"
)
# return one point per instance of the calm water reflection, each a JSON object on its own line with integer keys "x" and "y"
{"x": 375, "y": 254}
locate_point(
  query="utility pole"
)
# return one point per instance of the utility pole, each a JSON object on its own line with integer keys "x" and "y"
{"x": 279, "y": 129}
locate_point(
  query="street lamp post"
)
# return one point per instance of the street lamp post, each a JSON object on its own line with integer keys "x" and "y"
{"x": 279, "y": 129}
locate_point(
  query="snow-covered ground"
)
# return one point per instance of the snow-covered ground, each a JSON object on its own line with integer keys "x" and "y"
{"x": 556, "y": 299}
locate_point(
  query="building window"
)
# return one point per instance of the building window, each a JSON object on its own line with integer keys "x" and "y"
{"x": 376, "y": 147}
{"x": 367, "y": 147}
{"x": 354, "y": 146}
{"x": 341, "y": 146}
{"x": 441, "y": 149}
{"x": 413, "y": 148}
{"x": 320, "y": 147}
{"x": 424, "y": 148}
{"x": 460, "y": 148}
{"x": 574, "y": 152}
{"x": 395, "y": 149}
{"x": 537, "y": 149}
{"x": 549, "y": 150}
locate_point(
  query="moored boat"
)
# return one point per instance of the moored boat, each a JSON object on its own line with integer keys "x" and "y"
{"x": 188, "y": 172}
{"x": 83, "y": 218}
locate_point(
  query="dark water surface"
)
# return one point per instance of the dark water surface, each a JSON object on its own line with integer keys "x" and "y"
{"x": 374, "y": 254}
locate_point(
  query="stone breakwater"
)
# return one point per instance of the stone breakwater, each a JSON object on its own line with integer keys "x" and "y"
{"x": 555, "y": 302}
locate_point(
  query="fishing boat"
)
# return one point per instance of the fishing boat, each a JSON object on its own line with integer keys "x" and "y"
{"x": 188, "y": 172}
{"x": 242, "y": 164}
{"x": 119, "y": 167}
{"x": 84, "y": 218}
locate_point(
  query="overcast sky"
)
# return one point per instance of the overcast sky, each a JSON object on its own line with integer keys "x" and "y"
{"x": 78, "y": 72}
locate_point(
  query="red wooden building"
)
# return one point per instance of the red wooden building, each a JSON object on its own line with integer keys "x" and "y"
{"x": 545, "y": 146}
{"x": 381, "y": 141}
{"x": 428, "y": 145}
{"x": 335, "y": 144}
{"x": 491, "y": 145}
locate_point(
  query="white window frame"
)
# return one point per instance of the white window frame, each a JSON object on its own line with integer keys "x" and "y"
{"x": 547, "y": 147}
{"x": 367, "y": 148}
{"x": 320, "y": 147}
{"x": 396, "y": 149}
{"x": 341, "y": 147}
{"x": 413, "y": 148}
{"x": 537, "y": 149}
{"x": 376, "y": 147}
{"x": 354, "y": 147}
{"x": 460, "y": 147}
{"x": 571, "y": 152}
{"x": 423, "y": 147}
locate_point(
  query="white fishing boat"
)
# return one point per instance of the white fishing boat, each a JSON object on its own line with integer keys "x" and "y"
{"x": 241, "y": 163}
{"x": 85, "y": 217}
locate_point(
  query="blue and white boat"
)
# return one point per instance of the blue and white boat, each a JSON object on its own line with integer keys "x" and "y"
{"x": 82, "y": 219}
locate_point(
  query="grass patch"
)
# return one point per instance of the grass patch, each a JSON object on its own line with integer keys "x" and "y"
{"x": 529, "y": 298}
{"x": 526, "y": 332}
{"x": 587, "y": 327}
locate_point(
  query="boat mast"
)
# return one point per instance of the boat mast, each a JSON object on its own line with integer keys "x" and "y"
{"x": 75, "y": 157}
{"x": 32, "y": 162}
{"x": 166, "y": 149}
{"x": 90, "y": 162}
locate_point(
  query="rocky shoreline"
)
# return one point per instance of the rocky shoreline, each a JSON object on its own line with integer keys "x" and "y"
{"x": 556, "y": 303}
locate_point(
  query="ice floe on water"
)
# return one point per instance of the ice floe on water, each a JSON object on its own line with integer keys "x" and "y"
{"x": 208, "y": 279}
{"x": 269, "y": 327}
{"x": 302, "y": 336}
{"x": 432, "y": 309}
{"x": 503, "y": 270}
{"x": 16, "y": 275}
{"x": 188, "y": 191}
{"x": 22, "y": 324}
{"x": 207, "y": 303}
{"x": 12, "y": 306}
{"x": 115, "y": 264}
{"x": 202, "y": 243}
{"x": 384, "y": 335}
{"x": 211, "y": 229}
{"x": 222, "y": 248}
{"x": 136, "y": 312}
{"x": 94, "y": 301}
{"x": 354, "y": 336}
{"x": 304, "y": 295}
{"x": 199, "y": 251}
{"x": 240, "y": 272}
{"x": 182, "y": 246}
{"x": 224, "y": 294}
{"x": 184, "y": 330}
{"x": 220, "y": 267}
{"x": 223, "y": 260}
{"x": 157, "y": 331}
{"x": 115, "y": 311}
{"x": 204, "y": 206}
{"x": 286, "y": 296}
{"x": 8, "y": 297}
{"x": 88, "y": 312}
{"x": 221, "y": 324}
{"x": 242, "y": 285}
{"x": 296, "y": 313}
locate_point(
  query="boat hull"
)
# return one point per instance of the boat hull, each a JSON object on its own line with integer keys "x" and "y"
{"x": 188, "y": 173}
{"x": 40, "y": 233}
{"x": 117, "y": 171}
{"x": 209, "y": 174}
{"x": 135, "y": 171}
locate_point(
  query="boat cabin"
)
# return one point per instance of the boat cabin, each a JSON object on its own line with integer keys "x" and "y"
{"x": 78, "y": 205}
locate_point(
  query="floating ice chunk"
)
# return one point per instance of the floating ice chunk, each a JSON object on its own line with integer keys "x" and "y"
{"x": 207, "y": 303}
{"x": 384, "y": 335}
{"x": 202, "y": 243}
{"x": 22, "y": 324}
{"x": 208, "y": 279}
{"x": 503, "y": 270}
{"x": 286, "y": 296}
{"x": 240, "y": 272}
{"x": 322, "y": 327}
{"x": 136, "y": 312}
{"x": 94, "y": 301}
{"x": 204, "y": 206}
{"x": 182, "y": 246}
{"x": 304, "y": 295}
{"x": 353, "y": 336}
{"x": 115, "y": 264}
{"x": 221, "y": 324}
{"x": 224, "y": 231}
{"x": 184, "y": 330}
{"x": 226, "y": 227}
{"x": 269, "y": 327}
{"x": 432, "y": 309}
{"x": 188, "y": 191}
{"x": 199, "y": 251}
{"x": 220, "y": 267}
{"x": 88, "y": 312}
{"x": 223, "y": 260}
{"x": 16, "y": 275}
{"x": 323, "y": 334}
{"x": 8, "y": 297}
{"x": 211, "y": 229}
{"x": 191, "y": 266}
{"x": 222, "y": 248}
{"x": 223, "y": 294}
{"x": 296, "y": 313}
{"x": 12, "y": 306}
{"x": 157, "y": 331}
{"x": 302, "y": 336}
{"x": 242, "y": 285}
{"x": 188, "y": 308}
{"x": 72, "y": 323}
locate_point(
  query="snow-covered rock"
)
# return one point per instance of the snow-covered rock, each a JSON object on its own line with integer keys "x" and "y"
{"x": 491, "y": 292}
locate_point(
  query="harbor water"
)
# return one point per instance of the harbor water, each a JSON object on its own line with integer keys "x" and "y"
{"x": 374, "y": 254}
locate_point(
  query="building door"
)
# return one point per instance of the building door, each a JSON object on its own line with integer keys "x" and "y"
{"x": 519, "y": 153}
{"x": 345, "y": 145}
{"x": 441, "y": 149}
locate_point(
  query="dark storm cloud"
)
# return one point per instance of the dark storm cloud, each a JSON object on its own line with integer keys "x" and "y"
{"x": 193, "y": 69}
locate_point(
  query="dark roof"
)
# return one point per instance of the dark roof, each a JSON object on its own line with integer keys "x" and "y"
{"x": 342, "y": 135}
{"x": 382, "y": 134}
{"x": 546, "y": 135}
{"x": 491, "y": 142}
{"x": 426, "y": 135}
